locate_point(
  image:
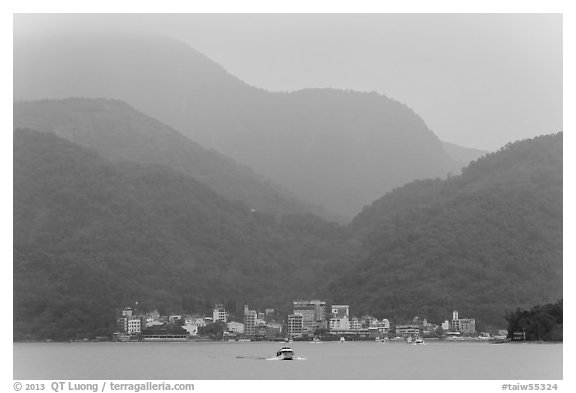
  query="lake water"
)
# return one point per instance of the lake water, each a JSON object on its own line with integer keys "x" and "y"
{"x": 324, "y": 361}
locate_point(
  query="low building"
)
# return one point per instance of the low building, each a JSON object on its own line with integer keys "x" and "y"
{"x": 355, "y": 324}
{"x": 384, "y": 323}
{"x": 191, "y": 328}
{"x": 235, "y": 327}
{"x": 408, "y": 330}
{"x": 342, "y": 323}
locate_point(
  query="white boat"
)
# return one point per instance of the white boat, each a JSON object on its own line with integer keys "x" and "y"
{"x": 316, "y": 340}
{"x": 285, "y": 353}
{"x": 342, "y": 340}
{"x": 418, "y": 340}
{"x": 378, "y": 340}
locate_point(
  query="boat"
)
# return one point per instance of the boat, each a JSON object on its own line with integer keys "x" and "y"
{"x": 409, "y": 340}
{"x": 285, "y": 353}
{"x": 418, "y": 340}
{"x": 316, "y": 340}
{"x": 342, "y": 340}
{"x": 378, "y": 339}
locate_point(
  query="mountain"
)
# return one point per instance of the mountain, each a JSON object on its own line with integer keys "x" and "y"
{"x": 92, "y": 235}
{"x": 338, "y": 149}
{"x": 484, "y": 243}
{"x": 120, "y": 133}
{"x": 462, "y": 155}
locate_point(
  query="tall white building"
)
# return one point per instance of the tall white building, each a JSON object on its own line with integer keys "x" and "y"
{"x": 463, "y": 325}
{"x": 250, "y": 319}
{"x": 134, "y": 325}
{"x": 219, "y": 313}
{"x": 295, "y": 325}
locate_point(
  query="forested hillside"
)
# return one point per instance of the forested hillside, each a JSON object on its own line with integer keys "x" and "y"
{"x": 120, "y": 133}
{"x": 91, "y": 236}
{"x": 485, "y": 242}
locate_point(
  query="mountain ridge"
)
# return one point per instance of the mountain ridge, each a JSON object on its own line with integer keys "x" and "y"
{"x": 312, "y": 142}
{"x": 121, "y": 133}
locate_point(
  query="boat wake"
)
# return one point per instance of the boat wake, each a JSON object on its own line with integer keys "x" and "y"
{"x": 279, "y": 358}
{"x": 273, "y": 358}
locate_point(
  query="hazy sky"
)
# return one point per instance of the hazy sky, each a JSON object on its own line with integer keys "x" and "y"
{"x": 478, "y": 80}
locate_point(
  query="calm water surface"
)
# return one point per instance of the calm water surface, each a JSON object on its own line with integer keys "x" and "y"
{"x": 324, "y": 361}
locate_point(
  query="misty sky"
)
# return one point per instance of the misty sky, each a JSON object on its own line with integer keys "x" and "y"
{"x": 478, "y": 80}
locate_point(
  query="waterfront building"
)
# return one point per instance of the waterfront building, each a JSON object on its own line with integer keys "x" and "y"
{"x": 174, "y": 318}
{"x": 384, "y": 323}
{"x": 150, "y": 323}
{"x": 340, "y": 317}
{"x": 195, "y": 320}
{"x": 134, "y": 325}
{"x": 260, "y": 330}
{"x": 339, "y": 323}
{"x": 355, "y": 324}
{"x": 219, "y": 313}
{"x": 368, "y": 320}
{"x": 463, "y": 325}
{"x": 313, "y": 314}
{"x": 129, "y": 323}
{"x": 250, "y": 318}
{"x": 295, "y": 325}
{"x": 408, "y": 330}
{"x": 235, "y": 327}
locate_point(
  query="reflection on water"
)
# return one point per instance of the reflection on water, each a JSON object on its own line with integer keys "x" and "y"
{"x": 330, "y": 361}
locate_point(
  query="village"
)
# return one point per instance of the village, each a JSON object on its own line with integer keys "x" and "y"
{"x": 309, "y": 320}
